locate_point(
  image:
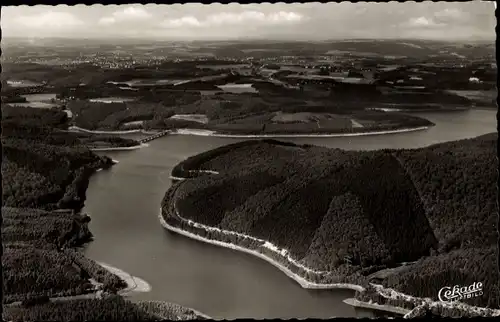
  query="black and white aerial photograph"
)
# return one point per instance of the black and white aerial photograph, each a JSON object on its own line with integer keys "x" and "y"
{"x": 270, "y": 160}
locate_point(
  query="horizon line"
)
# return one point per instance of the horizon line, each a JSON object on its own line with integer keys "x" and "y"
{"x": 283, "y": 39}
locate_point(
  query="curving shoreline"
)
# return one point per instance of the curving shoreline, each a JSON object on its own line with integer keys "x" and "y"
{"x": 375, "y": 306}
{"x": 125, "y": 148}
{"x": 134, "y": 283}
{"x": 388, "y": 293}
{"x": 176, "y": 178}
{"x": 200, "y": 132}
{"x": 385, "y": 292}
{"x": 228, "y": 245}
{"x": 81, "y": 129}
{"x": 300, "y": 280}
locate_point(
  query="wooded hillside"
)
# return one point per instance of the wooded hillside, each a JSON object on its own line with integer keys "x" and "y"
{"x": 330, "y": 208}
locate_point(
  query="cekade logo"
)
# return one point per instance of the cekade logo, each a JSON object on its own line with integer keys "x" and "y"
{"x": 456, "y": 293}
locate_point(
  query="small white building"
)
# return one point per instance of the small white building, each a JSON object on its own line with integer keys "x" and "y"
{"x": 68, "y": 113}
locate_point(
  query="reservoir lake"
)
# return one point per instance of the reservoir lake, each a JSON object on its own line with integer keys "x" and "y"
{"x": 124, "y": 203}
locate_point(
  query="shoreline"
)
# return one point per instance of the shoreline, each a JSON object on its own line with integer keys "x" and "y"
{"x": 202, "y": 132}
{"x": 391, "y": 293}
{"x": 197, "y": 132}
{"x": 176, "y": 178}
{"x": 388, "y": 293}
{"x": 81, "y": 129}
{"x": 125, "y": 148}
{"x": 113, "y": 163}
{"x": 300, "y": 280}
{"x": 381, "y": 290}
{"x": 375, "y": 306}
{"x": 134, "y": 283}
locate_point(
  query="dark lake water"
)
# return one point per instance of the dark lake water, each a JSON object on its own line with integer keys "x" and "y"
{"x": 124, "y": 203}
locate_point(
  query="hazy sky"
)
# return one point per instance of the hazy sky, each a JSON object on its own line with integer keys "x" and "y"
{"x": 469, "y": 20}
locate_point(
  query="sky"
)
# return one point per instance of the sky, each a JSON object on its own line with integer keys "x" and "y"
{"x": 473, "y": 20}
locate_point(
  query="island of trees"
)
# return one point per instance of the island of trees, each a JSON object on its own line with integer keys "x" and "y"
{"x": 411, "y": 220}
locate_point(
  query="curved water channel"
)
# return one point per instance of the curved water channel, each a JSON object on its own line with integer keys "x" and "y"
{"x": 124, "y": 203}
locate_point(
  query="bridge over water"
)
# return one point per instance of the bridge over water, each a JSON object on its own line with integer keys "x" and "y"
{"x": 154, "y": 136}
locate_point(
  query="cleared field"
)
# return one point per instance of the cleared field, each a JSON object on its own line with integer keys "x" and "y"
{"x": 355, "y": 123}
{"x": 199, "y": 118}
{"x": 483, "y": 96}
{"x": 291, "y": 128}
{"x": 133, "y": 123}
{"x": 254, "y": 119}
{"x": 305, "y": 117}
{"x": 391, "y": 120}
{"x": 313, "y": 120}
{"x": 241, "y": 127}
{"x": 336, "y": 123}
{"x": 307, "y": 122}
{"x": 224, "y": 66}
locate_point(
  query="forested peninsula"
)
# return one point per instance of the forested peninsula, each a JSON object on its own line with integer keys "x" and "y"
{"x": 45, "y": 174}
{"x": 409, "y": 220}
{"x": 242, "y": 115}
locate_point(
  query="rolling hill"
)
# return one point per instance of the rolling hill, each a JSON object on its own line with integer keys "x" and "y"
{"x": 335, "y": 216}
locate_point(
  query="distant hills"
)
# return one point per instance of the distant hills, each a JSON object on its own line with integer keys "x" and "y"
{"x": 261, "y": 48}
{"x": 404, "y": 48}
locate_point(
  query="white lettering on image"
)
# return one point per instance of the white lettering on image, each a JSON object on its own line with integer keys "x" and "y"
{"x": 456, "y": 293}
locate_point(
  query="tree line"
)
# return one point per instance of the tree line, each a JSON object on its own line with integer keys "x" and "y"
{"x": 44, "y": 169}
{"x": 113, "y": 308}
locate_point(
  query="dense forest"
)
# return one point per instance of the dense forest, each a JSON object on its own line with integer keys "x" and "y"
{"x": 114, "y": 308}
{"x": 40, "y": 270}
{"x": 35, "y": 226}
{"x": 151, "y": 107}
{"x": 115, "y": 116}
{"x": 45, "y": 173}
{"x": 235, "y": 114}
{"x": 434, "y": 207}
{"x": 44, "y": 169}
{"x": 169, "y": 311}
{"x": 21, "y": 117}
{"x": 93, "y": 140}
{"x": 43, "y": 166}
{"x": 111, "y": 308}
